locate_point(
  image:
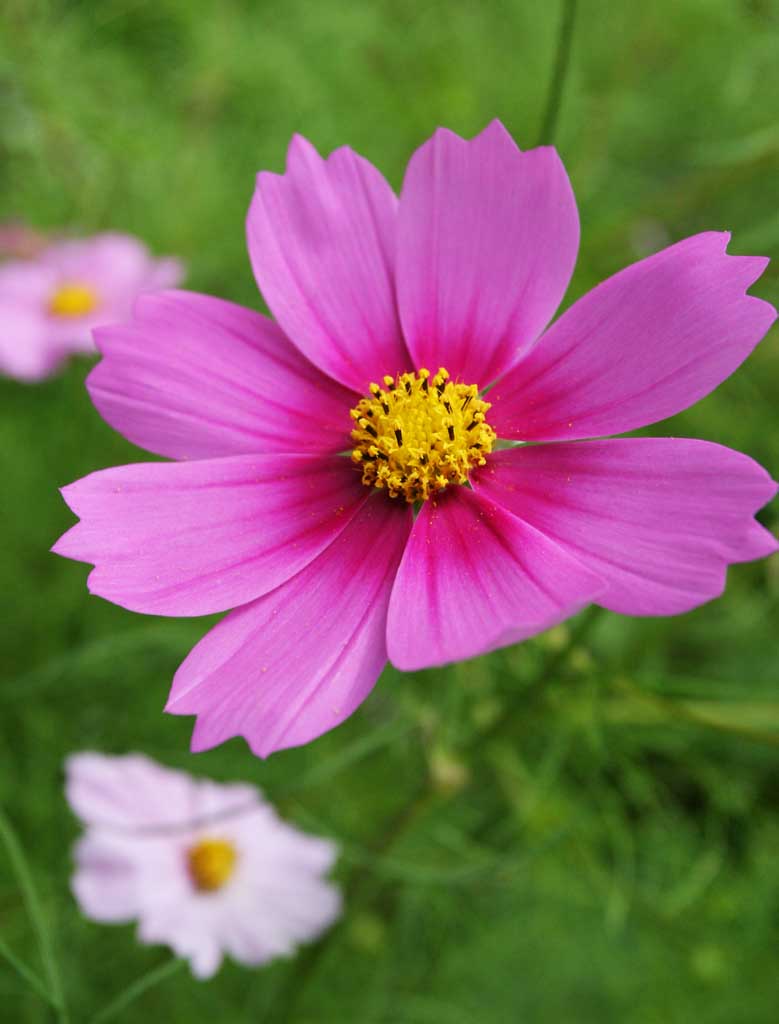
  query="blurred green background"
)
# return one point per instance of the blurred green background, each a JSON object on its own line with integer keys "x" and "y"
{"x": 583, "y": 828}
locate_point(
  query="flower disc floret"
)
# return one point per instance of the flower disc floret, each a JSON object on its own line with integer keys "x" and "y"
{"x": 73, "y": 300}
{"x": 211, "y": 863}
{"x": 419, "y": 434}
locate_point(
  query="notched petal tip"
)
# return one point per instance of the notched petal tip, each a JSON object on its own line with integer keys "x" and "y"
{"x": 199, "y": 741}
{"x": 69, "y": 494}
{"x": 442, "y": 133}
{"x": 497, "y": 133}
{"x": 494, "y": 130}
{"x": 205, "y": 737}
{"x": 743, "y": 269}
{"x": 63, "y": 546}
{"x": 763, "y": 543}
{"x": 301, "y": 151}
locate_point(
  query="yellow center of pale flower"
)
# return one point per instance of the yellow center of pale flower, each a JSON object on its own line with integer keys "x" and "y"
{"x": 72, "y": 300}
{"x": 211, "y": 863}
{"x": 418, "y": 434}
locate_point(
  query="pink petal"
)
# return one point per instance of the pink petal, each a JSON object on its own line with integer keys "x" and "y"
{"x": 474, "y": 578}
{"x": 27, "y": 283}
{"x": 105, "y": 882}
{"x": 130, "y": 792}
{"x": 322, "y": 244}
{"x": 297, "y": 662}
{"x": 282, "y": 913}
{"x": 127, "y": 791}
{"x": 645, "y": 344}
{"x": 195, "y": 377}
{"x": 265, "y": 837}
{"x": 164, "y": 274}
{"x": 191, "y": 538}
{"x": 205, "y": 957}
{"x": 118, "y": 266}
{"x": 193, "y": 927}
{"x": 487, "y": 242}
{"x": 27, "y": 350}
{"x": 659, "y": 519}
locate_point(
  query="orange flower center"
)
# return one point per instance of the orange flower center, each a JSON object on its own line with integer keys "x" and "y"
{"x": 72, "y": 300}
{"x": 211, "y": 863}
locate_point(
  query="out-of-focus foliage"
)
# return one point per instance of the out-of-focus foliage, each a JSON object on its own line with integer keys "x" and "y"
{"x": 582, "y": 828}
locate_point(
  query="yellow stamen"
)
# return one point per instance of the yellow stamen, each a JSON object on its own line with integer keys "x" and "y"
{"x": 419, "y": 434}
{"x": 72, "y": 300}
{"x": 211, "y": 863}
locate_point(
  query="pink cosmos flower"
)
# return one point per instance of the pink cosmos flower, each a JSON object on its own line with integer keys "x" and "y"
{"x": 335, "y": 562}
{"x": 206, "y": 868}
{"x": 50, "y": 304}
{"x": 18, "y": 241}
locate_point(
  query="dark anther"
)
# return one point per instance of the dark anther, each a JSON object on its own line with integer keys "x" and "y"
{"x": 425, "y": 384}
{"x": 407, "y": 385}
{"x": 398, "y": 435}
{"x": 371, "y": 431}
{"x": 448, "y": 407}
{"x": 466, "y": 403}
{"x": 385, "y": 407}
{"x": 450, "y": 431}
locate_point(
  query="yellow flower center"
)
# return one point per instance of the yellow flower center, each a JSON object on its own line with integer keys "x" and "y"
{"x": 418, "y": 434}
{"x": 71, "y": 300}
{"x": 211, "y": 863}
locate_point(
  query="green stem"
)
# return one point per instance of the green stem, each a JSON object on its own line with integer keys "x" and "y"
{"x": 559, "y": 73}
{"x": 136, "y": 989}
{"x": 35, "y": 913}
{"x": 25, "y": 972}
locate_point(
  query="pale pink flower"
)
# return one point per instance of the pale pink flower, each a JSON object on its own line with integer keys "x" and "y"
{"x": 205, "y": 868}
{"x": 50, "y": 304}
{"x": 333, "y": 564}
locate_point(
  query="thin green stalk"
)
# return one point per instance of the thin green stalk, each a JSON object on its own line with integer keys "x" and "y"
{"x": 35, "y": 913}
{"x": 559, "y": 73}
{"x": 136, "y": 989}
{"x": 25, "y": 972}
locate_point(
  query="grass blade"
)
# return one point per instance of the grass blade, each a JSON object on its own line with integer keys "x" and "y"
{"x": 136, "y": 989}
{"x": 26, "y": 973}
{"x": 35, "y": 913}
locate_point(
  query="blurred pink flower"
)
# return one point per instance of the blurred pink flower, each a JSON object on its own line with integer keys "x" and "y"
{"x": 206, "y": 868}
{"x": 18, "y": 241}
{"x": 321, "y": 556}
{"x": 49, "y": 305}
